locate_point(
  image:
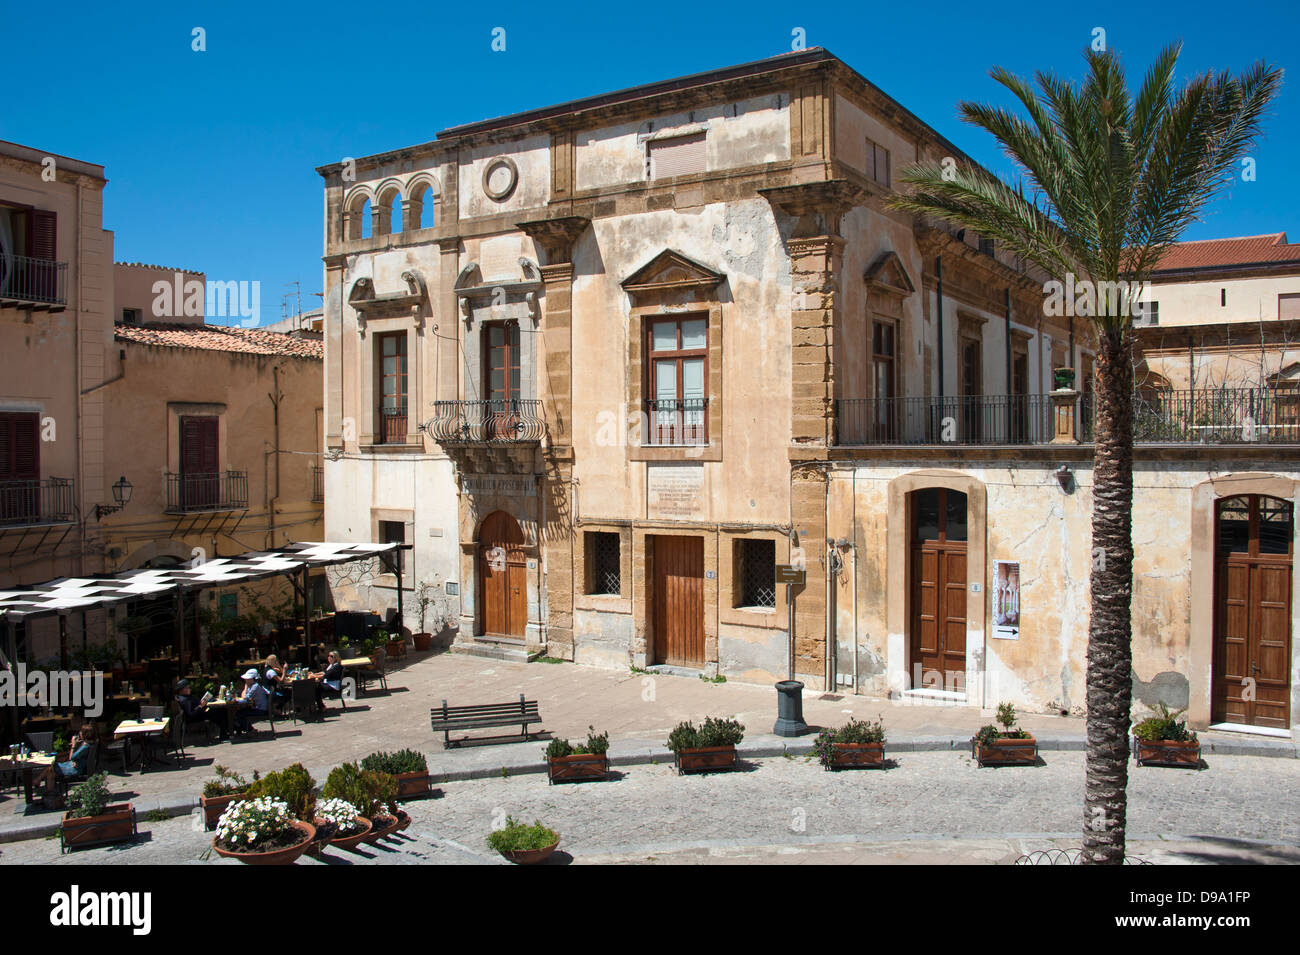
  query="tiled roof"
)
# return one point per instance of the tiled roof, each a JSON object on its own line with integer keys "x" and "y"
{"x": 160, "y": 268}
{"x": 1220, "y": 253}
{"x": 249, "y": 341}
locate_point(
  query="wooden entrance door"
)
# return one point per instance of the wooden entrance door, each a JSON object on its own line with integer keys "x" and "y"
{"x": 938, "y": 588}
{"x": 679, "y": 600}
{"x": 503, "y": 580}
{"x": 1252, "y": 619}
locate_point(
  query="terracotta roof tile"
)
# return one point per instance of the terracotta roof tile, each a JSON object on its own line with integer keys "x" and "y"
{"x": 249, "y": 341}
{"x": 1241, "y": 250}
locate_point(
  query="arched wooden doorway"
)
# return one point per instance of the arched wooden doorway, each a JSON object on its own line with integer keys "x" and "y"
{"x": 1253, "y": 536}
{"x": 502, "y": 577}
{"x": 937, "y": 565}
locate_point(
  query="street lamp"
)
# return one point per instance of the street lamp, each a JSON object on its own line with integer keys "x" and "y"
{"x": 121, "y": 498}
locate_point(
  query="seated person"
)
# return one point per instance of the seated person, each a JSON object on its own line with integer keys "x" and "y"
{"x": 78, "y": 762}
{"x": 253, "y": 703}
{"x": 329, "y": 682}
{"x": 273, "y": 679}
{"x": 195, "y": 711}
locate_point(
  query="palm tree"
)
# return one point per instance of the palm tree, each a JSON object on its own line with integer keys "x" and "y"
{"x": 1113, "y": 182}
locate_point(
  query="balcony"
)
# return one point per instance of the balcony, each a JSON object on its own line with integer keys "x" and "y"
{"x": 511, "y": 421}
{"x": 391, "y": 423}
{"x": 1217, "y": 416}
{"x": 34, "y": 503}
{"x": 36, "y": 284}
{"x": 196, "y": 493}
{"x": 317, "y": 484}
{"x": 677, "y": 423}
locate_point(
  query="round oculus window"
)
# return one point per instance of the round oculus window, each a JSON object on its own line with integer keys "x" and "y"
{"x": 500, "y": 178}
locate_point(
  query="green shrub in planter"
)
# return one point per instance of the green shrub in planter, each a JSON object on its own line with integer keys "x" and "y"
{"x": 518, "y": 837}
{"x": 1165, "y": 725}
{"x": 714, "y": 732}
{"x": 597, "y": 744}
{"x": 227, "y": 783}
{"x": 370, "y": 792}
{"x": 292, "y": 786}
{"x": 854, "y": 731}
{"x": 394, "y": 764}
{"x": 89, "y": 798}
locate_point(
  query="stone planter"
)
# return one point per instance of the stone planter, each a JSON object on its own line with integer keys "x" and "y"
{"x": 395, "y": 649}
{"x": 1007, "y": 751}
{"x": 1167, "y": 752}
{"x": 423, "y": 642}
{"x": 115, "y": 824}
{"x": 706, "y": 759}
{"x": 1063, "y": 378}
{"x": 413, "y": 785}
{"x": 857, "y": 756}
{"x": 214, "y": 806}
{"x": 532, "y": 856}
{"x": 287, "y": 856}
{"x": 570, "y": 769}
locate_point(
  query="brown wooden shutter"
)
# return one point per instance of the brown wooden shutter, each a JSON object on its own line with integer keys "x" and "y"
{"x": 42, "y": 237}
{"x": 199, "y": 445}
{"x": 20, "y": 446}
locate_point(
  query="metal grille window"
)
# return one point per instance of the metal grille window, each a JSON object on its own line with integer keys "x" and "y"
{"x": 603, "y": 563}
{"x": 756, "y": 573}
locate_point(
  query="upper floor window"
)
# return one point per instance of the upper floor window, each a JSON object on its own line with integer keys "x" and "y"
{"x": 1147, "y": 313}
{"x": 131, "y": 316}
{"x": 20, "y": 446}
{"x": 877, "y": 162}
{"x": 678, "y": 363}
{"x": 391, "y": 532}
{"x": 392, "y": 388}
{"x": 675, "y": 156}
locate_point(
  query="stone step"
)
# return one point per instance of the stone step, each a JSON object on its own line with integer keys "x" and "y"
{"x": 504, "y": 650}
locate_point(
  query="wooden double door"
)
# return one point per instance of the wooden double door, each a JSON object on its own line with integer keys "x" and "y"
{"x": 678, "y": 600}
{"x": 937, "y": 635}
{"x": 1252, "y": 620}
{"x": 502, "y": 577}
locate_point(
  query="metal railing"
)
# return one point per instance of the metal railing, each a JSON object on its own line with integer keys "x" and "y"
{"x": 495, "y": 421}
{"x": 317, "y": 484}
{"x": 677, "y": 422}
{"x": 390, "y": 424}
{"x": 26, "y": 503}
{"x": 953, "y": 419}
{"x": 1207, "y": 416}
{"x": 24, "y": 280}
{"x": 218, "y": 491}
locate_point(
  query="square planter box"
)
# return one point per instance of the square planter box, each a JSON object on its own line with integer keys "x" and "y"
{"x": 1167, "y": 752}
{"x": 115, "y": 824}
{"x": 858, "y": 756}
{"x": 1007, "y": 751}
{"x": 570, "y": 769}
{"x": 412, "y": 785}
{"x": 706, "y": 760}
{"x": 214, "y": 806}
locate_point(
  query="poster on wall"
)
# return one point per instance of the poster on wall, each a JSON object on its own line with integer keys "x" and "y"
{"x": 1006, "y": 599}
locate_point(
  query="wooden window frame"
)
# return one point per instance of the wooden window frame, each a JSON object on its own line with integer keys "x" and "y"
{"x": 382, "y": 435}
{"x": 680, "y": 356}
{"x": 874, "y": 149}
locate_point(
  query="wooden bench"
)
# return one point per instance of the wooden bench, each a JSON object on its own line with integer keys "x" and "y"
{"x": 447, "y": 718}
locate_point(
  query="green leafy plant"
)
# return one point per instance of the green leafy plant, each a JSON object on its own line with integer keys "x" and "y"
{"x": 292, "y": 786}
{"x": 715, "y": 732}
{"x": 1007, "y": 719}
{"x": 713, "y": 679}
{"x": 854, "y": 731}
{"x": 520, "y": 837}
{"x": 402, "y": 761}
{"x": 61, "y": 743}
{"x": 1164, "y": 725}
{"x": 89, "y": 798}
{"x": 227, "y": 783}
{"x": 371, "y": 793}
{"x": 988, "y": 735}
{"x": 156, "y": 815}
{"x": 597, "y": 744}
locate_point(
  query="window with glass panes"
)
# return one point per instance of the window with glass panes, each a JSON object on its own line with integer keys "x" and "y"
{"x": 392, "y": 387}
{"x": 501, "y": 374}
{"x": 884, "y": 374}
{"x": 678, "y": 371}
{"x": 755, "y": 573}
{"x": 605, "y": 574}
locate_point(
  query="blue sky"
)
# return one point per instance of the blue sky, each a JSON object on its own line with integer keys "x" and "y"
{"x": 211, "y": 155}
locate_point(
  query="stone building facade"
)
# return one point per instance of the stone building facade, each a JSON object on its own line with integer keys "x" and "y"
{"x": 651, "y": 345}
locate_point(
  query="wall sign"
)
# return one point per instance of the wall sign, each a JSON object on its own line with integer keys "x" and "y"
{"x": 498, "y": 484}
{"x": 1006, "y": 599}
{"x": 675, "y": 490}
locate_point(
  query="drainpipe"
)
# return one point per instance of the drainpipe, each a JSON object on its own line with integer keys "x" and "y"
{"x": 938, "y": 274}
{"x": 832, "y": 571}
{"x": 271, "y": 502}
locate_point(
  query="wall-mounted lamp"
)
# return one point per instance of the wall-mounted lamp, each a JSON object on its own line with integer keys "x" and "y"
{"x": 121, "y": 498}
{"x": 1065, "y": 477}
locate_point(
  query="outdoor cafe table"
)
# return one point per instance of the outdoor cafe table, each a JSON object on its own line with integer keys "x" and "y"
{"x": 143, "y": 730}
{"x": 34, "y": 763}
{"x": 227, "y": 710}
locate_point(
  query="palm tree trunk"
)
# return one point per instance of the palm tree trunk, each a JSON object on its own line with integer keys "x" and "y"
{"x": 1110, "y": 650}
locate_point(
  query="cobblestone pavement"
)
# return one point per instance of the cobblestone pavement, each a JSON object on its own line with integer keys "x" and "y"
{"x": 931, "y": 807}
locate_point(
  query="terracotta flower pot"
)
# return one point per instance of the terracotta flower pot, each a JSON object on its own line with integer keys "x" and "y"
{"x": 403, "y": 821}
{"x": 857, "y": 756}
{"x": 214, "y": 806}
{"x": 354, "y": 840}
{"x": 706, "y": 759}
{"x": 382, "y": 826}
{"x": 532, "y": 856}
{"x": 423, "y": 641}
{"x": 568, "y": 769}
{"x": 1167, "y": 752}
{"x": 287, "y": 856}
{"x": 115, "y": 824}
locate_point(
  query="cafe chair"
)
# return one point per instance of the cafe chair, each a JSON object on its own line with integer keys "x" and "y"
{"x": 152, "y": 712}
{"x": 65, "y": 783}
{"x": 39, "y": 742}
{"x": 108, "y": 749}
{"x": 374, "y": 673}
{"x": 303, "y": 700}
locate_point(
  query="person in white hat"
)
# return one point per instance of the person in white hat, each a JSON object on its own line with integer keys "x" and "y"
{"x": 253, "y": 702}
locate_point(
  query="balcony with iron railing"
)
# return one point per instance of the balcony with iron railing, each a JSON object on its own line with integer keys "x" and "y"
{"x": 508, "y": 421}
{"x": 33, "y": 503}
{"x": 676, "y": 423}
{"x": 317, "y": 484}
{"x": 37, "y": 284}
{"x": 1217, "y": 416}
{"x": 217, "y": 491}
{"x": 391, "y": 422}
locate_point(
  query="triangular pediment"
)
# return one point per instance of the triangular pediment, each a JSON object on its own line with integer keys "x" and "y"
{"x": 1287, "y": 375}
{"x": 671, "y": 270}
{"x": 887, "y": 274}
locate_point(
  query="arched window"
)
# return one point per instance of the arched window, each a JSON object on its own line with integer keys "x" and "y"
{"x": 422, "y": 207}
{"x": 363, "y": 226}
{"x": 357, "y": 218}
{"x": 394, "y": 209}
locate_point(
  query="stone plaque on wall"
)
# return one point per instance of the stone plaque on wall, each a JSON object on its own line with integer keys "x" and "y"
{"x": 505, "y": 485}
{"x": 675, "y": 490}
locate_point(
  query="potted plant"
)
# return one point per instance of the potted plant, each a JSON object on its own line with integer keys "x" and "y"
{"x": 407, "y": 766}
{"x": 711, "y": 747}
{"x": 1007, "y": 746}
{"x": 1063, "y": 378}
{"x": 393, "y": 643}
{"x": 856, "y": 744}
{"x": 340, "y": 823}
{"x": 1164, "y": 740}
{"x": 262, "y": 831}
{"x": 523, "y": 844}
{"x": 91, "y": 820}
{"x": 220, "y": 792}
{"x": 348, "y": 783}
{"x": 569, "y": 762}
{"x": 424, "y": 599}
{"x": 292, "y": 786}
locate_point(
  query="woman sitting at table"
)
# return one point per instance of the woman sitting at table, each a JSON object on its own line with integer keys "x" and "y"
{"x": 273, "y": 680}
{"x": 78, "y": 761}
{"x": 253, "y": 703}
{"x": 329, "y": 682}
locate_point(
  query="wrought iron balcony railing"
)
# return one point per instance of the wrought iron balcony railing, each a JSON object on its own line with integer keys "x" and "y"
{"x": 218, "y": 491}
{"x": 28, "y": 503}
{"x": 25, "y": 281}
{"x": 677, "y": 422}
{"x": 390, "y": 423}
{"x": 497, "y": 421}
{"x": 1208, "y": 416}
{"x": 953, "y": 419}
{"x": 317, "y": 484}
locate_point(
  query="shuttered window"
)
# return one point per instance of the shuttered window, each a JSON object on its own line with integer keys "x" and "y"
{"x": 20, "y": 446}
{"x": 199, "y": 451}
{"x": 877, "y": 162}
{"x": 42, "y": 235}
{"x": 676, "y": 156}
{"x": 1288, "y": 306}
